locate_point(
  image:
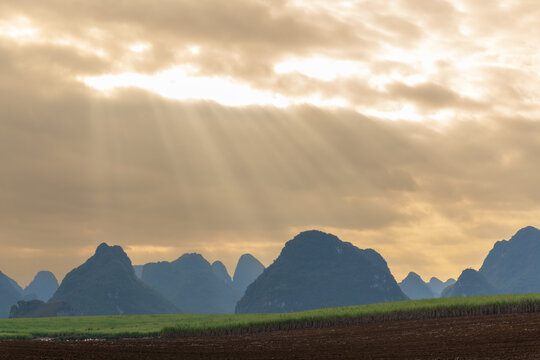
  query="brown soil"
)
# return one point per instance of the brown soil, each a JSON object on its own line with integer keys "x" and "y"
{"x": 480, "y": 337}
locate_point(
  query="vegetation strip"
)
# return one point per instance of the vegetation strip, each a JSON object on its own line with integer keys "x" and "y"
{"x": 134, "y": 326}
{"x": 355, "y": 315}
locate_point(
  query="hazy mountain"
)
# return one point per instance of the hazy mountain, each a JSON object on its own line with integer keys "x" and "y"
{"x": 30, "y": 297}
{"x": 317, "y": 270}
{"x": 247, "y": 270}
{"x": 138, "y": 270}
{"x": 221, "y": 272}
{"x": 16, "y": 286}
{"x": 415, "y": 288}
{"x": 437, "y": 286}
{"x": 106, "y": 285}
{"x": 513, "y": 266}
{"x": 42, "y": 287}
{"x": 38, "y": 308}
{"x": 9, "y": 295}
{"x": 469, "y": 283}
{"x": 191, "y": 284}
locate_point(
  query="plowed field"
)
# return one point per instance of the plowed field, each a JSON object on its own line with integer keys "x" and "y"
{"x": 480, "y": 337}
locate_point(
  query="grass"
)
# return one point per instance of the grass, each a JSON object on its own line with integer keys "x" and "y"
{"x": 190, "y": 324}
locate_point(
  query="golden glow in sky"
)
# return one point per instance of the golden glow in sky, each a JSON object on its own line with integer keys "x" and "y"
{"x": 225, "y": 127}
{"x": 321, "y": 68}
{"x": 19, "y": 29}
{"x": 182, "y": 83}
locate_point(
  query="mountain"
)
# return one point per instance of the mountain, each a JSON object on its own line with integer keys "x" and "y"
{"x": 469, "y": 283}
{"x": 415, "y": 288}
{"x": 191, "y": 284}
{"x": 106, "y": 285}
{"x": 221, "y": 272}
{"x": 138, "y": 270}
{"x": 513, "y": 266}
{"x": 42, "y": 287}
{"x": 318, "y": 270}
{"x": 16, "y": 286}
{"x": 38, "y": 308}
{"x": 247, "y": 270}
{"x": 437, "y": 286}
{"x": 9, "y": 295}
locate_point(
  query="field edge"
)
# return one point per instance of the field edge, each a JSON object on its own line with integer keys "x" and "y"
{"x": 190, "y": 325}
{"x": 301, "y": 324}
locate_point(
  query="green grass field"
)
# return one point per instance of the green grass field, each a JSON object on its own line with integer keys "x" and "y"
{"x": 181, "y": 325}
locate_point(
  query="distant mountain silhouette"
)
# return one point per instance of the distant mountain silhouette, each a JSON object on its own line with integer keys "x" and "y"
{"x": 513, "y": 266}
{"x": 38, "y": 308}
{"x": 221, "y": 272}
{"x": 138, "y": 270}
{"x": 42, "y": 287}
{"x": 247, "y": 270}
{"x": 437, "y": 286}
{"x": 415, "y": 288}
{"x": 106, "y": 285}
{"x": 9, "y": 295}
{"x": 317, "y": 270}
{"x": 191, "y": 284}
{"x": 469, "y": 283}
{"x": 16, "y": 286}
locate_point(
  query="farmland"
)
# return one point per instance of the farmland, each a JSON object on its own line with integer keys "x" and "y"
{"x": 137, "y": 326}
{"x": 513, "y": 336}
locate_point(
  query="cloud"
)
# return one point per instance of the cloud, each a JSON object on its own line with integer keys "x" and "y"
{"x": 431, "y": 190}
{"x": 431, "y": 96}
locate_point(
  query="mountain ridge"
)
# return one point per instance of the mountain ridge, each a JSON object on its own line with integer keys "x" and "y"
{"x": 317, "y": 270}
{"x": 248, "y": 268}
{"x": 42, "y": 287}
{"x": 415, "y": 288}
{"x": 191, "y": 284}
{"x": 106, "y": 284}
{"x": 9, "y": 295}
{"x": 512, "y": 266}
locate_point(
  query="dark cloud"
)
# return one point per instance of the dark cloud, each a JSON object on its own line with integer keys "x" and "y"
{"x": 432, "y": 96}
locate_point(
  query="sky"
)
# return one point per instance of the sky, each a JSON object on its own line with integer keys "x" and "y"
{"x": 227, "y": 127}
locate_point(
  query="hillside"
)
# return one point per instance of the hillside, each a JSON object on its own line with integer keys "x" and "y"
{"x": 9, "y": 295}
{"x": 221, "y": 272}
{"x": 38, "y": 308}
{"x": 415, "y": 288}
{"x": 106, "y": 285}
{"x": 138, "y": 270}
{"x": 317, "y": 270}
{"x": 191, "y": 284}
{"x": 437, "y": 286}
{"x": 469, "y": 283}
{"x": 247, "y": 270}
{"x": 42, "y": 287}
{"x": 513, "y": 266}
